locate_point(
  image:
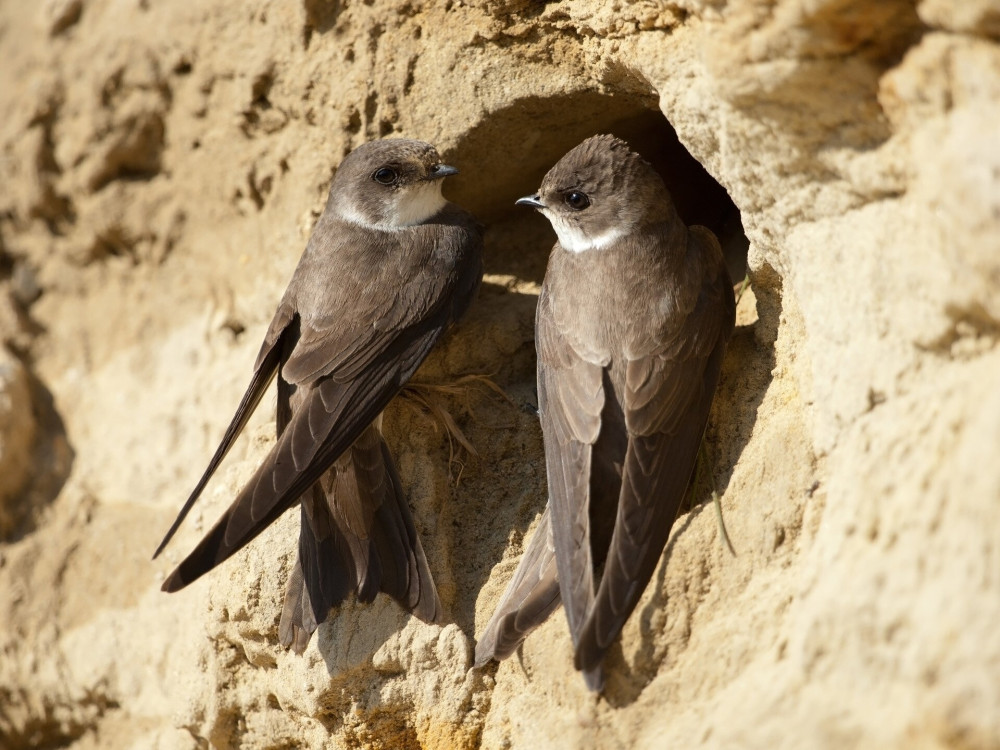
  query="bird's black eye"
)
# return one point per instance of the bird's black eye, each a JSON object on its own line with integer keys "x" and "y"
{"x": 577, "y": 200}
{"x": 385, "y": 175}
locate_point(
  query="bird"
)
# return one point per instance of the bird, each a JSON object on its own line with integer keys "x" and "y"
{"x": 633, "y": 317}
{"x": 388, "y": 269}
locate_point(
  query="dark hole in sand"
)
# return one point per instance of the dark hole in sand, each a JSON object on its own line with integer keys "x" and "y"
{"x": 506, "y": 156}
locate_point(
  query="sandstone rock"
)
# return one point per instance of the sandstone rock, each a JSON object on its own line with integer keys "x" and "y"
{"x": 17, "y": 437}
{"x": 59, "y": 15}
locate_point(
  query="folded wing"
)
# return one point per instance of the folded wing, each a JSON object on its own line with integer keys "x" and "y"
{"x": 373, "y": 349}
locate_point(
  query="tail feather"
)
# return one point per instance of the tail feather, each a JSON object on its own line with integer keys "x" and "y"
{"x": 530, "y": 597}
{"x": 357, "y": 536}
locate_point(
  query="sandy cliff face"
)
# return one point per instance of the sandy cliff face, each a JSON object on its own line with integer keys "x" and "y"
{"x": 161, "y": 167}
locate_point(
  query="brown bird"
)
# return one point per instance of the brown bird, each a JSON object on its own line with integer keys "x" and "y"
{"x": 632, "y": 323}
{"x": 389, "y": 267}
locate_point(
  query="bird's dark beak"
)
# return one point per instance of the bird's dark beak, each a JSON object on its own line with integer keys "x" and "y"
{"x": 530, "y": 200}
{"x": 441, "y": 170}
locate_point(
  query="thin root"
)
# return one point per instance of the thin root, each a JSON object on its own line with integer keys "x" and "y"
{"x": 428, "y": 397}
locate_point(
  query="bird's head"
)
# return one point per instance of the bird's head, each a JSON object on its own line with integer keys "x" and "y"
{"x": 389, "y": 184}
{"x": 599, "y": 192}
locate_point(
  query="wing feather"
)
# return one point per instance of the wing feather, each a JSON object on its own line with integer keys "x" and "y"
{"x": 570, "y": 399}
{"x": 264, "y": 371}
{"x": 530, "y": 597}
{"x": 333, "y": 410}
{"x": 666, "y": 402}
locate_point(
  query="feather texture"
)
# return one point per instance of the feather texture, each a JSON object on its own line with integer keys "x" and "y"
{"x": 361, "y": 312}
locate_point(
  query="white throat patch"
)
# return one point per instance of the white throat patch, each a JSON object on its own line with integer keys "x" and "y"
{"x": 418, "y": 204}
{"x": 571, "y": 238}
{"x": 347, "y": 212}
{"x": 414, "y": 206}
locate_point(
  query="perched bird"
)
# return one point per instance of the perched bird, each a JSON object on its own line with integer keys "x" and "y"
{"x": 632, "y": 323}
{"x": 389, "y": 267}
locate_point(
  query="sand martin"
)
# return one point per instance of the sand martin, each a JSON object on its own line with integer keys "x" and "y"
{"x": 632, "y": 323}
{"x": 389, "y": 267}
